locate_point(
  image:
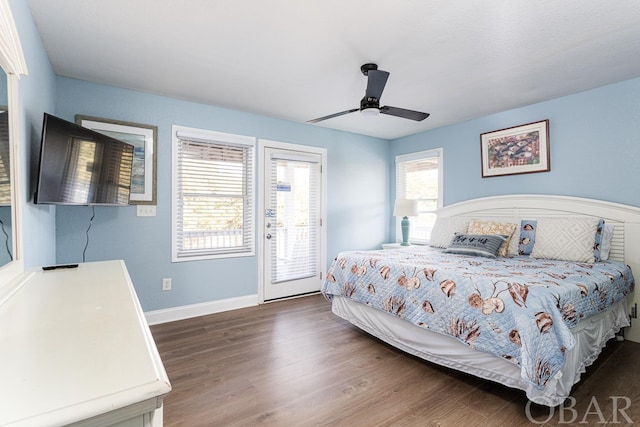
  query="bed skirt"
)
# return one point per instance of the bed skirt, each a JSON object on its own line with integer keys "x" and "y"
{"x": 591, "y": 336}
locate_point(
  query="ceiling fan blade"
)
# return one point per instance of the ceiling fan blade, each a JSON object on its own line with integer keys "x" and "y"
{"x": 377, "y": 79}
{"x": 405, "y": 114}
{"x": 331, "y": 116}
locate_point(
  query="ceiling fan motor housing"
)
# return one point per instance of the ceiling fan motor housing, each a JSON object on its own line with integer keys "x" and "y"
{"x": 369, "y": 102}
{"x": 366, "y": 67}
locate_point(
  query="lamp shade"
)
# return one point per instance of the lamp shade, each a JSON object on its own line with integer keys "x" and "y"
{"x": 405, "y": 207}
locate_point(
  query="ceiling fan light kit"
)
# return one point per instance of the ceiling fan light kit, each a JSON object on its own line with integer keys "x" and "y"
{"x": 370, "y": 103}
{"x": 370, "y": 112}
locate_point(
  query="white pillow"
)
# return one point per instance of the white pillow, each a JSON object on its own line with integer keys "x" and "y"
{"x": 605, "y": 245}
{"x": 445, "y": 228}
{"x": 565, "y": 239}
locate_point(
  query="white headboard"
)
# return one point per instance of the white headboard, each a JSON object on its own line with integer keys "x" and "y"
{"x": 626, "y": 239}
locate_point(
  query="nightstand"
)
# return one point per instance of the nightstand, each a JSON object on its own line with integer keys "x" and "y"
{"x": 391, "y": 246}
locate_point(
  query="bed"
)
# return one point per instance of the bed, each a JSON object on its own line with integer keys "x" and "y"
{"x": 529, "y": 317}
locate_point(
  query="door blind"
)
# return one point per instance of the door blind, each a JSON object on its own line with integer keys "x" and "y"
{"x": 295, "y": 199}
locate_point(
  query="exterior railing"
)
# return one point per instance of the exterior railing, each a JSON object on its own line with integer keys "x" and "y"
{"x": 212, "y": 239}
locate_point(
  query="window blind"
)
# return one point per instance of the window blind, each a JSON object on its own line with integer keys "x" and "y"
{"x": 5, "y": 171}
{"x": 213, "y": 195}
{"x": 419, "y": 177}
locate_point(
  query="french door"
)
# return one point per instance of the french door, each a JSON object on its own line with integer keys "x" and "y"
{"x": 292, "y": 227}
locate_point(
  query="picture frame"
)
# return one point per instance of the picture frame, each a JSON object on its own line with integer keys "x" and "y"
{"x": 516, "y": 150}
{"x": 144, "y": 140}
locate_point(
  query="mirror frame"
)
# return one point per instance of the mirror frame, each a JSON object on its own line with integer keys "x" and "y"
{"x": 14, "y": 65}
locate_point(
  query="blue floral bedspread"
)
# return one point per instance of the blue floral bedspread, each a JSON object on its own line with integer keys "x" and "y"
{"x": 517, "y": 308}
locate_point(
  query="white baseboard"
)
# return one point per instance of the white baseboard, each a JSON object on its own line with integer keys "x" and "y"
{"x": 166, "y": 315}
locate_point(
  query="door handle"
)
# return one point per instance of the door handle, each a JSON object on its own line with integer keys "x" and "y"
{"x": 268, "y": 236}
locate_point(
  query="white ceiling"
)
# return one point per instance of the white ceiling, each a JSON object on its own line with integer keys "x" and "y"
{"x": 300, "y": 59}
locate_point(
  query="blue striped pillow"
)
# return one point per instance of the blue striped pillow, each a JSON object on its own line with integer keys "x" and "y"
{"x": 485, "y": 245}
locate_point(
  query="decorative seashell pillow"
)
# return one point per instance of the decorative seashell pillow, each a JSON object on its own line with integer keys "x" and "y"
{"x": 527, "y": 236}
{"x": 492, "y": 227}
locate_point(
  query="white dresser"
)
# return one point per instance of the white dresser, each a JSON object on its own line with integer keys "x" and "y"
{"x": 75, "y": 349}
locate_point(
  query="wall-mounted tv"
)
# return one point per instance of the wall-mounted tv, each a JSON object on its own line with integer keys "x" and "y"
{"x": 79, "y": 166}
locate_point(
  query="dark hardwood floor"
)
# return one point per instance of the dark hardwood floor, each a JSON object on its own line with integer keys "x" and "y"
{"x": 293, "y": 363}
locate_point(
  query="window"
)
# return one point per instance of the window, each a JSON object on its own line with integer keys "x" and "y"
{"x": 419, "y": 176}
{"x": 213, "y": 195}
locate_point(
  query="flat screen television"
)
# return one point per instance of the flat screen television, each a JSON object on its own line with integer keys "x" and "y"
{"x": 79, "y": 166}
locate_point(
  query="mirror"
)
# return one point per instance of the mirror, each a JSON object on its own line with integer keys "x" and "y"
{"x": 6, "y": 240}
{"x": 12, "y": 66}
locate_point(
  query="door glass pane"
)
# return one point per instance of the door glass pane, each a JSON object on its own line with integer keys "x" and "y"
{"x": 294, "y": 196}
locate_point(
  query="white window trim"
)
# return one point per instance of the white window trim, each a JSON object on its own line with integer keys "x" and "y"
{"x": 435, "y": 152}
{"x": 216, "y": 136}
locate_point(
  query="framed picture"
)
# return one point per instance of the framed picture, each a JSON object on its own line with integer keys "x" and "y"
{"x": 144, "y": 141}
{"x": 516, "y": 150}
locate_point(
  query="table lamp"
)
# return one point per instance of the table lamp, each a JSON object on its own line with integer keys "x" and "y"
{"x": 405, "y": 208}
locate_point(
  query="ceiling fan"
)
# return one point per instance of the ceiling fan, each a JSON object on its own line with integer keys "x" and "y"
{"x": 370, "y": 104}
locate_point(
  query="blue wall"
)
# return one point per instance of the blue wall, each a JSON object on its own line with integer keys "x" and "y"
{"x": 594, "y": 143}
{"x": 357, "y": 211}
